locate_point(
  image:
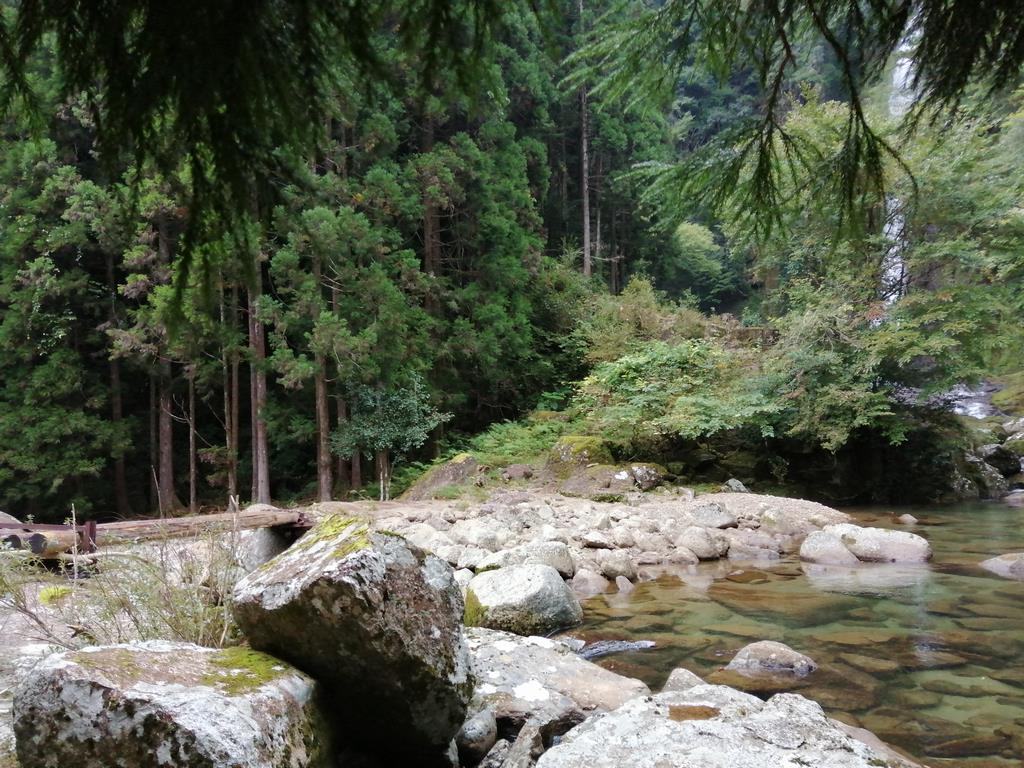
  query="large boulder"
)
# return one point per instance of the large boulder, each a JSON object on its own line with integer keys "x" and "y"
{"x": 771, "y": 658}
{"x": 1009, "y": 566}
{"x": 573, "y": 452}
{"x": 1002, "y": 458}
{"x": 541, "y": 680}
{"x": 378, "y": 622}
{"x": 8, "y": 519}
{"x": 526, "y": 599}
{"x": 867, "y": 545}
{"x": 712, "y": 727}
{"x": 168, "y": 705}
{"x": 707, "y": 544}
{"x": 456, "y": 471}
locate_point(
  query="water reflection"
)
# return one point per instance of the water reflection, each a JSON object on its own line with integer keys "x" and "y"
{"x": 931, "y": 658}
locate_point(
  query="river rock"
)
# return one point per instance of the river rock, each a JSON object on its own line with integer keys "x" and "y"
{"x": 553, "y": 553}
{"x": 1002, "y": 458}
{"x": 535, "y": 678}
{"x": 525, "y": 599}
{"x": 516, "y": 472}
{"x": 168, "y": 705}
{"x": 869, "y": 545}
{"x": 711, "y": 514}
{"x": 711, "y": 727}
{"x": 477, "y": 736}
{"x": 616, "y": 563}
{"x": 705, "y": 544}
{"x": 732, "y": 485}
{"x": 367, "y": 612}
{"x": 9, "y": 519}
{"x": 770, "y": 657}
{"x": 588, "y": 583}
{"x": 681, "y": 679}
{"x": 907, "y": 519}
{"x": 826, "y": 549}
{"x": 1009, "y": 566}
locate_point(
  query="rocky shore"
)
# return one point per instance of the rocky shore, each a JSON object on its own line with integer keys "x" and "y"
{"x": 358, "y": 653}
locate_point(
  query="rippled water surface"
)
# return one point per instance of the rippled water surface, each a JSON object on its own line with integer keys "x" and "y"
{"x": 929, "y": 658}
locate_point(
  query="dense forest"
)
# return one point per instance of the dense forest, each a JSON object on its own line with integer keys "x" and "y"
{"x": 451, "y": 259}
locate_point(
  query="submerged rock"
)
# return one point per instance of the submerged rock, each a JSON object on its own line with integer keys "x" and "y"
{"x": 608, "y": 647}
{"x": 525, "y": 599}
{"x": 772, "y": 658}
{"x": 1009, "y": 566}
{"x": 377, "y": 622}
{"x": 168, "y": 705}
{"x": 712, "y": 727}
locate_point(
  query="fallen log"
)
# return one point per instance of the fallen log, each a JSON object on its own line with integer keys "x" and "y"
{"x": 49, "y": 543}
{"x": 136, "y": 530}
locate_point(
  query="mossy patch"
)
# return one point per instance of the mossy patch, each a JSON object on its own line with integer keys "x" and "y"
{"x": 475, "y": 612}
{"x": 1011, "y": 397}
{"x": 53, "y": 595}
{"x": 239, "y": 670}
{"x": 356, "y": 533}
{"x": 572, "y": 451}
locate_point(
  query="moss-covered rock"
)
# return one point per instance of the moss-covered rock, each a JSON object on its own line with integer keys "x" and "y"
{"x": 433, "y": 483}
{"x": 168, "y": 705}
{"x": 525, "y": 599}
{"x": 572, "y": 452}
{"x": 378, "y": 622}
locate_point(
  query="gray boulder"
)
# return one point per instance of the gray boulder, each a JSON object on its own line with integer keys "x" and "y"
{"x": 826, "y": 549}
{"x": 168, "y": 705}
{"x": 1009, "y": 566}
{"x": 1005, "y": 461}
{"x": 711, "y": 514}
{"x": 712, "y": 727}
{"x": 732, "y": 485}
{"x": 9, "y": 519}
{"x": 704, "y": 543}
{"x": 867, "y": 545}
{"x": 477, "y": 736}
{"x": 525, "y": 599}
{"x": 553, "y": 553}
{"x": 541, "y": 680}
{"x": 377, "y": 622}
{"x": 588, "y": 583}
{"x": 770, "y": 657}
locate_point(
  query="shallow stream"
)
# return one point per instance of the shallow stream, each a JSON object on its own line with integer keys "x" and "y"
{"x": 930, "y": 658}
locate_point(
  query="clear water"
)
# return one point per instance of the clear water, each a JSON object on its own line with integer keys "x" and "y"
{"x": 929, "y": 658}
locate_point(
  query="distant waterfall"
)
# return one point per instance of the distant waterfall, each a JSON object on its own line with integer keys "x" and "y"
{"x": 902, "y": 95}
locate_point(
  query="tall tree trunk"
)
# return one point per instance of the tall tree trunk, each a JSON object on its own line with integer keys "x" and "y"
{"x": 168, "y": 496}
{"x": 229, "y": 373}
{"x": 342, "y": 475}
{"x": 193, "y": 469}
{"x": 585, "y": 169}
{"x": 258, "y": 377}
{"x": 357, "y": 471}
{"x": 431, "y": 226}
{"x": 324, "y": 475}
{"x": 116, "y": 402}
{"x": 154, "y": 443}
{"x": 384, "y": 474}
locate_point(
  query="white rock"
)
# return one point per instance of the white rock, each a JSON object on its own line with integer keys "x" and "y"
{"x": 1009, "y": 566}
{"x": 169, "y": 704}
{"x": 880, "y": 545}
{"x": 681, "y": 679}
{"x": 705, "y": 544}
{"x": 711, "y": 727}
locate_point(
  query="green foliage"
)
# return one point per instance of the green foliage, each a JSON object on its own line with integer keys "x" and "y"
{"x": 396, "y": 420}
